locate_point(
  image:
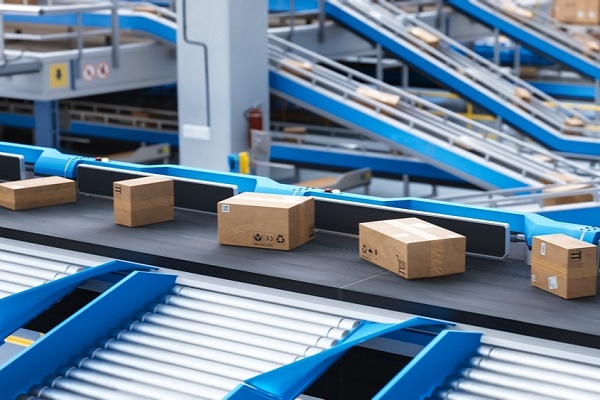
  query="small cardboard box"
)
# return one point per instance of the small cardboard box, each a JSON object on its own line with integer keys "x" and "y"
{"x": 412, "y": 248}
{"x": 564, "y": 266}
{"x": 266, "y": 220}
{"x": 569, "y": 197}
{"x": 38, "y": 192}
{"x": 143, "y": 201}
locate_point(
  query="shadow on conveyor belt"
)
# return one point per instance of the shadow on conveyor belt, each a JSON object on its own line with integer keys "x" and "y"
{"x": 492, "y": 294}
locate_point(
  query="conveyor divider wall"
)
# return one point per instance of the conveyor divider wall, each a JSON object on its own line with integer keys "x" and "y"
{"x": 185, "y": 342}
{"x": 466, "y": 73}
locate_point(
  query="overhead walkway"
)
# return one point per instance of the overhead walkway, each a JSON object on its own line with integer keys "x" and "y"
{"x": 540, "y": 33}
{"x": 454, "y": 66}
{"x": 474, "y": 152}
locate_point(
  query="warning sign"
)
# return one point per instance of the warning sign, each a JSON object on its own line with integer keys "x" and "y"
{"x": 88, "y": 72}
{"x": 102, "y": 70}
{"x": 59, "y": 75}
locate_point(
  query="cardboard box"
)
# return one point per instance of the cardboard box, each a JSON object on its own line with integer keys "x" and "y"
{"x": 389, "y": 99}
{"x": 38, "y": 192}
{"x": 564, "y": 266}
{"x": 268, "y": 221}
{"x": 412, "y": 248}
{"x": 567, "y": 198}
{"x": 143, "y": 201}
{"x": 581, "y": 12}
{"x": 426, "y": 36}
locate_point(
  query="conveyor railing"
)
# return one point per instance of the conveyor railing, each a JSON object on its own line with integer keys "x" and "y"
{"x": 473, "y": 77}
{"x": 319, "y": 74}
{"x": 540, "y": 33}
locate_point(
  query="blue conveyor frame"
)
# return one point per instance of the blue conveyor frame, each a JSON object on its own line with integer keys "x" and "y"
{"x": 459, "y": 84}
{"x": 47, "y": 162}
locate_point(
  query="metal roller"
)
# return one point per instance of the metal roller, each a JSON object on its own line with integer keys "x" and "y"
{"x": 10, "y": 287}
{"x": 91, "y": 390}
{"x": 230, "y": 334}
{"x": 180, "y": 360}
{"x": 252, "y": 316}
{"x": 267, "y": 308}
{"x": 451, "y": 394}
{"x": 197, "y": 351}
{"x": 541, "y": 362}
{"x": 49, "y": 393}
{"x": 45, "y": 274}
{"x": 124, "y": 385}
{"x": 522, "y": 371}
{"x": 247, "y": 326}
{"x": 164, "y": 369}
{"x": 19, "y": 279}
{"x": 527, "y": 385}
{"x": 494, "y": 391}
{"x": 259, "y": 353}
{"x": 38, "y": 262}
{"x": 177, "y": 386}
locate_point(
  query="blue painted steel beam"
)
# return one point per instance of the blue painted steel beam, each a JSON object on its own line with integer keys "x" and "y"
{"x": 52, "y": 162}
{"x": 534, "y": 41}
{"x": 459, "y": 84}
{"x": 17, "y": 120}
{"x": 388, "y": 167}
{"x": 122, "y": 133}
{"x": 427, "y": 149}
{"x": 566, "y": 90}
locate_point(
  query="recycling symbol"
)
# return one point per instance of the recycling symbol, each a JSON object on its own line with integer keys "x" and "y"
{"x": 364, "y": 248}
{"x": 257, "y": 237}
{"x": 280, "y": 239}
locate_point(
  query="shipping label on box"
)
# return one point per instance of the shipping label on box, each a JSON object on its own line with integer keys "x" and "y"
{"x": 574, "y": 284}
{"x": 412, "y": 248}
{"x": 143, "y": 201}
{"x": 564, "y": 253}
{"x": 37, "y": 192}
{"x": 270, "y": 221}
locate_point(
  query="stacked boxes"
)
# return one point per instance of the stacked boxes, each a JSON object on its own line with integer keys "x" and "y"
{"x": 38, "y": 192}
{"x": 143, "y": 201}
{"x": 412, "y": 248}
{"x": 582, "y": 12}
{"x": 266, "y": 220}
{"x": 564, "y": 266}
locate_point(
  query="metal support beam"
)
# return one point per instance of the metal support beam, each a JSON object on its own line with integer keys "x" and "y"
{"x": 46, "y": 132}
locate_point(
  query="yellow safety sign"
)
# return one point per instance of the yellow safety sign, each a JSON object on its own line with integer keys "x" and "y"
{"x": 59, "y": 75}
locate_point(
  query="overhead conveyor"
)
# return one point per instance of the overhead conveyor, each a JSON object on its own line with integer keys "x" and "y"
{"x": 471, "y": 76}
{"x": 474, "y": 152}
{"x": 543, "y": 35}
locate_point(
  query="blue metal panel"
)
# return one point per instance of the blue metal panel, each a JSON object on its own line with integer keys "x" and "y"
{"x": 430, "y": 368}
{"x": 588, "y": 215}
{"x": 299, "y": 5}
{"x": 123, "y": 133}
{"x": 80, "y": 331}
{"x": 46, "y": 132}
{"x": 291, "y": 380}
{"x": 566, "y": 90}
{"x": 536, "y": 43}
{"x": 426, "y": 149}
{"x": 17, "y": 121}
{"x": 379, "y": 165}
{"x": 421, "y": 62}
{"x": 19, "y": 308}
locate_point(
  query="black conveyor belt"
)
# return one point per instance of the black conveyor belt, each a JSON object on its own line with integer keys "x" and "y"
{"x": 492, "y": 294}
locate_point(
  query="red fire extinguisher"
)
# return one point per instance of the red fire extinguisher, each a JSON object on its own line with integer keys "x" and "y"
{"x": 255, "y": 121}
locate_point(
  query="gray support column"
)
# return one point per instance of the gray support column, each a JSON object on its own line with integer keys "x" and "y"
{"x": 46, "y": 132}
{"x": 222, "y": 72}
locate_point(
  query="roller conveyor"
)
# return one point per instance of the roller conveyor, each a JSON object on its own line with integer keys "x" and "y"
{"x": 466, "y": 73}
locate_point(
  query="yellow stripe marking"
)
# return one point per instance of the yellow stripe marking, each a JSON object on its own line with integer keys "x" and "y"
{"x": 19, "y": 341}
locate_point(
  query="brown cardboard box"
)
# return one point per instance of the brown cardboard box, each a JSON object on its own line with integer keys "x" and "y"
{"x": 412, "y": 248}
{"x": 564, "y": 266}
{"x": 566, "y": 10}
{"x": 38, "y": 192}
{"x": 143, "y": 201}
{"x": 269, "y": 221}
{"x": 390, "y": 99}
{"x": 424, "y": 35}
{"x": 567, "y": 198}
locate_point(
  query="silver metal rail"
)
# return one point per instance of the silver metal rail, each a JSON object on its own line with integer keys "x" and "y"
{"x": 432, "y": 121}
{"x": 196, "y": 344}
{"x": 486, "y": 76}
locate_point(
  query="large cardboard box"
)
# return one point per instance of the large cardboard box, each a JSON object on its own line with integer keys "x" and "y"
{"x": 269, "y": 221}
{"x": 581, "y": 12}
{"x": 568, "y": 197}
{"x": 564, "y": 266}
{"x": 143, "y": 201}
{"x": 37, "y": 192}
{"x": 412, "y": 248}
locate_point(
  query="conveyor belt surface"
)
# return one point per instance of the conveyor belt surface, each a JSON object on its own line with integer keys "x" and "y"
{"x": 494, "y": 294}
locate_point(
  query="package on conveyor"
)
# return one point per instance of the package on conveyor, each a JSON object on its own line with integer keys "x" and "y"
{"x": 581, "y": 12}
{"x": 564, "y": 266}
{"x": 412, "y": 248}
{"x": 37, "y": 192}
{"x": 424, "y": 35}
{"x": 566, "y": 194}
{"x": 269, "y": 221}
{"x": 143, "y": 201}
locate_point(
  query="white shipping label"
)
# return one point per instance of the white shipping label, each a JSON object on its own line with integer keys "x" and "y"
{"x": 552, "y": 282}
{"x": 543, "y": 249}
{"x": 532, "y": 278}
{"x": 225, "y": 208}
